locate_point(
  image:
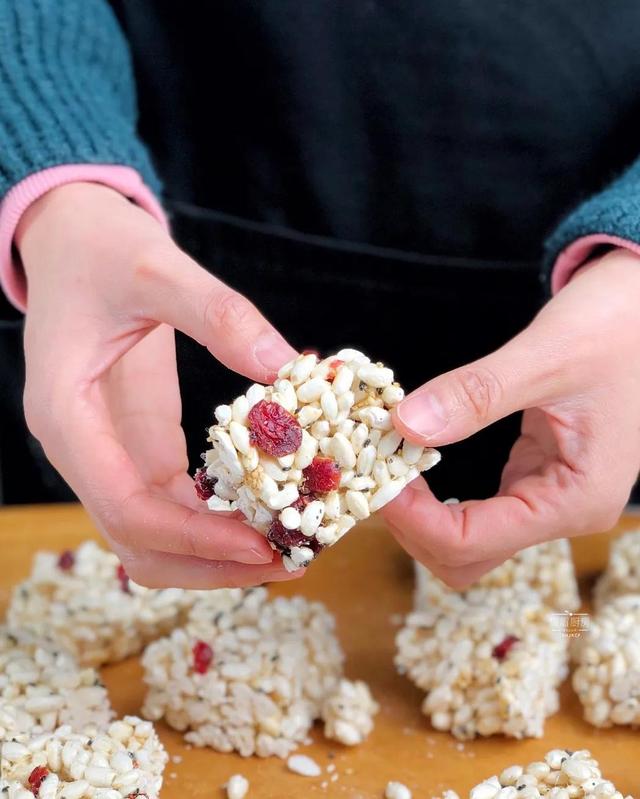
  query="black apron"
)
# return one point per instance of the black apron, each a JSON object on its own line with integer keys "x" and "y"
{"x": 374, "y": 174}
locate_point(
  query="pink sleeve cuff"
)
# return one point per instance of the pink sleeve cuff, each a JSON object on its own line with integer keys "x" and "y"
{"x": 121, "y": 178}
{"x": 578, "y": 253}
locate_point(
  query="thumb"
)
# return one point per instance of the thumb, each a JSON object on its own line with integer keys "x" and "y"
{"x": 525, "y": 372}
{"x": 190, "y": 299}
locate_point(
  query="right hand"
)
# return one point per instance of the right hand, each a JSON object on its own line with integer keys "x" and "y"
{"x": 107, "y": 286}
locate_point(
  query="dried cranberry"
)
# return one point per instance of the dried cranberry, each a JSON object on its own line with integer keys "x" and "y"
{"x": 202, "y": 657}
{"x": 501, "y": 650}
{"x": 204, "y": 484}
{"x": 321, "y": 475}
{"x": 284, "y": 539}
{"x": 124, "y": 579}
{"x": 36, "y": 778}
{"x": 303, "y": 500}
{"x": 334, "y": 365}
{"x": 273, "y": 429}
{"x": 66, "y": 560}
{"x": 136, "y": 794}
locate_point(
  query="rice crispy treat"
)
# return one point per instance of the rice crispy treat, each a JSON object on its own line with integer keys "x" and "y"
{"x": 546, "y": 568}
{"x": 348, "y": 712}
{"x": 123, "y": 761}
{"x": 561, "y": 775}
{"x": 85, "y": 600}
{"x": 607, "y": 656}
{"x": 489, "y": 661}
{"x": 306, "y": 458}
{"x": 247, "y": 673}
{"x": 42, "y": 687}
{"x": 622, "y": 575}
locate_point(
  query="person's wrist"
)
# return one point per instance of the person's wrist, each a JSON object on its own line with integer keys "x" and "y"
{"x": 80, "y": 216}
{"x": 62, "y": 203}
{"x": 622, "y": 264}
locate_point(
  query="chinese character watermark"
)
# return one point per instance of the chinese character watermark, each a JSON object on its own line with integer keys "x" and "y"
{"x": 569, "y": 625}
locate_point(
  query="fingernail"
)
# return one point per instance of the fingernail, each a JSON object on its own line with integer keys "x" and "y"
{"x": 252, "y": 556}
{"x": 273, "y": 351}
{"x": 424, "y": 414}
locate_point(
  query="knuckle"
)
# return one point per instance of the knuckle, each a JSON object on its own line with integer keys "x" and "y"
{"x": 454, "y": 554}
{"x": 479, "y": 389}
{"x": 111, "y": 518}
{"x": 228, "y": 312}
{"x": 148, "y": 261}
{"x": 141, "y": 574}
{"x": 607, "y": 513}
{"x": 456, "y": 578}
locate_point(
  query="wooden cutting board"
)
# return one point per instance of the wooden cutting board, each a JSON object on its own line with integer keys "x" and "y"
{"x": 366, "y": 581}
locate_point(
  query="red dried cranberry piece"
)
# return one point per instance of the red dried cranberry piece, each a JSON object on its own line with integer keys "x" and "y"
{"x": 334, "y": 365}
{"x": 321, "y": 475}
{"x": 204, "y": 484}
{"x": 36, "y": 778}
{"x": 501, "y": 650}
{"x": 202, "y": 657}
{"x": 66, "y": 560}
{"x": 284, "y": 539}
{"x": 124, "y": 579}
{"x": 137, "y": 794}
{"x": 303, "y": 500}
{"x": 273, "y": 429}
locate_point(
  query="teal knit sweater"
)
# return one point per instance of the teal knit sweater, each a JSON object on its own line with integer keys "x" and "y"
{"x": 67, "y": 96}
{"x": 67, "y": 93}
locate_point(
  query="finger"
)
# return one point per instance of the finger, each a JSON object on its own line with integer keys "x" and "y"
{"x": 143, "y": 395}
{"x": 458, "y": 578}
{"x": 526, "y": 372}
{"x": 108, "y": 483}
{"x": 162, "y": 570}
{"x": 539, "y": 508}
{"x": 174, "y": 289}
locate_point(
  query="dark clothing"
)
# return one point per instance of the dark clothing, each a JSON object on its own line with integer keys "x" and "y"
{"x": 382, "y": 174}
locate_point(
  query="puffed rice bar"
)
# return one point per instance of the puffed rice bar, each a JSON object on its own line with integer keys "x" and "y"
{"x": 607, "y": 655}
{"x": 622, "y": 575}
{"x": 247, "y": 673}
{"x": 562, "y": 774}
{"x": 42, "y": 687}
{"x": 341, "y": 457}
{"x": 348, "y": 712}
{"x": 124, "y": 760}
{"x": 489, "y": 661}
{"x": 546, "y": 568}
{"x": 85, "y": 600}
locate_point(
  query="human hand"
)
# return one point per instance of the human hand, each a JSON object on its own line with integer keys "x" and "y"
{"x": 575, "y": 371}
{"x": 107, "y": 287}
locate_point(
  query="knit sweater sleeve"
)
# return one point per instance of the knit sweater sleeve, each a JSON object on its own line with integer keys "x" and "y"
{"x": 67, "y": 93}
{"x": 608, "y": 218}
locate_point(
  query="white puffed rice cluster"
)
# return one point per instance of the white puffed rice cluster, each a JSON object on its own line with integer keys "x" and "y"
{"x": 622, "y": 575}
{"x": 42, "y": 687}
{"x": 607, "y": 655}
{"x": 85, "y": 601}
{"x": 348, "y": 712}
{"x": 124, "y": 760}
{"x": 271, "y": 666}
{"x": 342, "y": 404}
{"x": 561, "y": 775}
{"x": 546, "y": 568}
{"x": 479, "y": 680}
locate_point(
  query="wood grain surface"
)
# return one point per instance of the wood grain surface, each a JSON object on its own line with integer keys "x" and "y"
{"x": 366, "y": 581}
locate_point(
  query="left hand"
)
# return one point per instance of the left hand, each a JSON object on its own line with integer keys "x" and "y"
{"x": 575, "y": 371}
